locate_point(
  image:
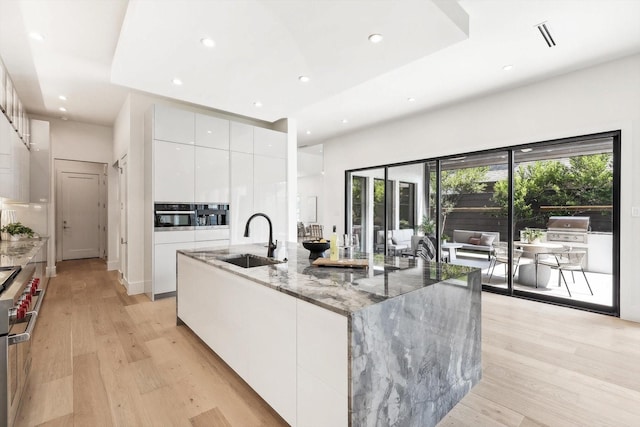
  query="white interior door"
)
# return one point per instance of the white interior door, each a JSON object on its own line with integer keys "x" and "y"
{"x": 80, "y": 215}
{"x": 123, "y": 218}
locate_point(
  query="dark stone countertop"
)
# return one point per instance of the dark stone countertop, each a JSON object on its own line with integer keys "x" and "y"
{"x": 342, "y": 290}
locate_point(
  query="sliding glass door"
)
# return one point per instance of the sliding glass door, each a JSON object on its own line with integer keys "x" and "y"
{"x": 563, "y": 219}
{"x": 474, "y": 216}
{"x": 539, "y": 219}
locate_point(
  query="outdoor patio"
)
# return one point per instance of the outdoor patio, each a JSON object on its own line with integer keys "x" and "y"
{"x": 601, "y": 284}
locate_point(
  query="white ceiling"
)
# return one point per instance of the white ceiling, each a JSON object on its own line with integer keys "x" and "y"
{"x": 95, "y": 51}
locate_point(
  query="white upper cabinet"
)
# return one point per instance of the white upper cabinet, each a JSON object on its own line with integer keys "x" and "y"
{"x": 270, "y": 196}
{"x": 212, "y": 175}
{"x": 241, "y": 206}
{"x": 174, "y": 125}
{"x": 6, "y": 169}
{"x": 9, "y": 98}
{"x": 14, "y": 164}
{"x": 212, "y": 132}
{"x": 173, "y": 172}
{"x": 241, "y": 139}
{"x": 3, "y": 90}
{"x": 270, "y": 143}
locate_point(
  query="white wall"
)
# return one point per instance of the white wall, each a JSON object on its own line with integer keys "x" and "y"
{"x": 70, "y": 140}
{"x": 81, "y": 141}
{"x": 597, "y": 99}
{"x": 310, "y": 183}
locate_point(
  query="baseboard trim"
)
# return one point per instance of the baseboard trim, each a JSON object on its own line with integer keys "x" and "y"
{"x": 164, "y": 295}
{"x": 113, "y": 265}
{"x": 135, "y": 288}
{"x": 51, "y": 271}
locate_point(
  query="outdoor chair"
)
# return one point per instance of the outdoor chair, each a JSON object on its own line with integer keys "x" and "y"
{"x": 567, "y": 259}
{"x": 315, "y": 231}
{"x": 500, "y": 254}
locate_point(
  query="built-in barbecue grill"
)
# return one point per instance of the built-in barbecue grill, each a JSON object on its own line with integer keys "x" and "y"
{"x": 570, "y": 229}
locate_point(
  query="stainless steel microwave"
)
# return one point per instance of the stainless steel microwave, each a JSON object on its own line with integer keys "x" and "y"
{"x": 174, "y": 216}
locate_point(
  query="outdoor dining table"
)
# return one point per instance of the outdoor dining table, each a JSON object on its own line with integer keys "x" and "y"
{"x": 534, "y": 273}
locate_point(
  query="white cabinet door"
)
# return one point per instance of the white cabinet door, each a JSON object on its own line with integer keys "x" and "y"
{"x": 6, "y": 168}
{"x": 216, "y": 244}
{"x": 211, "y": 175}
{"x": 172, "y": 124}
{"x": 241, "y": 138}
{"x": 25, "y": 176}
{"x": 212, "y": 132}
{"x": 212, "y": 234}
{"x": 271, "y": 322}
{"x": 173, "y": 172}
{"x": 251, "y": 327}
{"x": 3, "y": 90}
{"x": 241, "y": 206}
{"x": 164, "y": 266}
{"x": 270, "y": 196}
{"x": 270, "y": 143}
{"x": 323, "y": 369}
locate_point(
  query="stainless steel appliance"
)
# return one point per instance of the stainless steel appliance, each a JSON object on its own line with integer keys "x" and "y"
{"x": 20, "y": 300}
{"x": 174, "y": 216}
{"x": 212, "y": 215}
{"x": 568, "y": 229}
{"x": 572, "y": 231}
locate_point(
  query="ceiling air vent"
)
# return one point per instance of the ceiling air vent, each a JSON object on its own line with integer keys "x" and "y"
{"x": 546, "y": 34}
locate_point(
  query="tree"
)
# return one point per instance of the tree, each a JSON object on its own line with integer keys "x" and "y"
{"x": 455, "y": 183}
{"x": 584, "y": 181}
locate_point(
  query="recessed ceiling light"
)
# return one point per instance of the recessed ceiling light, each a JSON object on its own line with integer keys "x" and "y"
{"x": 411, "y": 99}
{"x": 308, "y": 132}
{"x": 207, "y": 42}
{"x": 257, "y": 104}
{"x": 177, "y": 82}
{"x": 36, "y": 36}
{"x": 375, "y": 38}
{"x": 62, "y": 109}
{"x": 345, "y": 121}
{"x": 62, "y": 98}
{"x": 507, "y": 67}
{"x": 208, "y": 131}
{"x": 304, "y": 79}
{"x": 526, "y": 150}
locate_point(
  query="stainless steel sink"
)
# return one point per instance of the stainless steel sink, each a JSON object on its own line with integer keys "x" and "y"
{"x": 250, "y": 260}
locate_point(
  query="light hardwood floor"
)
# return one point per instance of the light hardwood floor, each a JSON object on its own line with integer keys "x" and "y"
{"x": 103, "y": 358}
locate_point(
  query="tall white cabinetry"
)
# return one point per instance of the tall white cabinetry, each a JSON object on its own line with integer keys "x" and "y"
{"x": 14, "y": 164}
{"x": 187, "y": 162}
{"x": 258, "y": 182}
{"x": 197, "y": 158}
{"x": 173, "y": 172}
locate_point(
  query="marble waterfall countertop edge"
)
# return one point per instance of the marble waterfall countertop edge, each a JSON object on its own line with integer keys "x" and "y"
{"x": 341, "y": 290}
{"x": 20, "y": 252}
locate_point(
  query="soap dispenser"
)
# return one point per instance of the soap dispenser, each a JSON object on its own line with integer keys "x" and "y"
{"x": 333, "y": 245}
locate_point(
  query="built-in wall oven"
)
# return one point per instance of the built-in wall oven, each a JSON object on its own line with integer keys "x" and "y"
{"x": 22, "y": 293}
{"x": 174, "y": 216}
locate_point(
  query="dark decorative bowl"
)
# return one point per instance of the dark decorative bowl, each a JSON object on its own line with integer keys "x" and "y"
{"x": 316, "y": 249}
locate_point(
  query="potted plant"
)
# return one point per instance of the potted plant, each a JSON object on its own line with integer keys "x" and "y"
{"x": 531, "y": 235}
{"x": 428, "y": 226}
{"x": 16, "y": 231}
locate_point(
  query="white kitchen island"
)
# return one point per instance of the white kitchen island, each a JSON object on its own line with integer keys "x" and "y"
{"x": 395, "y": 344}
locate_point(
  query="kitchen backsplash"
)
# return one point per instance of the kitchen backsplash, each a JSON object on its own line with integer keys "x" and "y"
{"x": 33, "y": 215}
